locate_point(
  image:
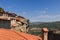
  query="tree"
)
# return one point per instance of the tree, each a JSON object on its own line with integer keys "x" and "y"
{"x": 1, "y": 9}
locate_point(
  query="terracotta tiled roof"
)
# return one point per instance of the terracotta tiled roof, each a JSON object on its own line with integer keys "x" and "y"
{"x": 17, "y": 18}
{"x": 20, "y": 17}
{"x": 6, "y": 34}
{"x": 13, "y": 14}
{"x": 4, "y": 18}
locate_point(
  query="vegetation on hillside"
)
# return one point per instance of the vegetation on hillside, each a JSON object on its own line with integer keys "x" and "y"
{"x": 50, "y": 25}
{"x": 46, "y": 24}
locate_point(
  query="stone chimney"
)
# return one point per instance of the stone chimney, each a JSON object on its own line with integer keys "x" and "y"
{"x": 44, "y": 34}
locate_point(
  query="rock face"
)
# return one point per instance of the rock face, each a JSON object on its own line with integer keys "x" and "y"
{"x": 20, "y": 24}
{"x": 13, "y": 21}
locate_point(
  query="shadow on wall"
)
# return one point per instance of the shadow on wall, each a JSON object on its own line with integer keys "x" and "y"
{"x": 53, "y": 36}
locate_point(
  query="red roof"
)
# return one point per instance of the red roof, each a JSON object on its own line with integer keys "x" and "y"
{"x": 13, "y": 14}
{"x": 4, "y": 18}
{"x": 6, "y": 34}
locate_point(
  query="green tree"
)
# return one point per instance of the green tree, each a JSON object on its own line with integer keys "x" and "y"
{"x": 1, "y": 9}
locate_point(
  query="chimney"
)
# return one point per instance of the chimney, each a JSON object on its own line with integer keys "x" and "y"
{"x": 44, "y": 34}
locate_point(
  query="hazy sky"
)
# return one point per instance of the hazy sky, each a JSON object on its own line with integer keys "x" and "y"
{"x": 35, "y": 10}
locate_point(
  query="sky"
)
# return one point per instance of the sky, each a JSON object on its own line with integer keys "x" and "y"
{"x": 34, "y": 10}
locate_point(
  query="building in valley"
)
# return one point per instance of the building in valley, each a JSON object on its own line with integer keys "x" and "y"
{"x": 13, "y": 21}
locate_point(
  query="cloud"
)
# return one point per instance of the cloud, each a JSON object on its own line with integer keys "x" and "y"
{"x": 40, "y": 16}
{"x": 40, "y": 11}
{"x": 46, "y": 18}
{"x": 24, "y": 13}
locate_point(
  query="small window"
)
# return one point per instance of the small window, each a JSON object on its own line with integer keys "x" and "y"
{"x": 1, "y": 14}
{"x": 5, "y": 15}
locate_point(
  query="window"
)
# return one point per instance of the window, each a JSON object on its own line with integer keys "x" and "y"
{"x": 1, "y": 14}
{"x": 5, "y": 15}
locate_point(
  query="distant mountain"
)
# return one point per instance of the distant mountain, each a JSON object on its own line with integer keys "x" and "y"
{"x": 45, "y": 24}
{"x": 37, "y": 22}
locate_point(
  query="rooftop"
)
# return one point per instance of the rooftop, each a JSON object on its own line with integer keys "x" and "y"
{"x": 6, "y": 34}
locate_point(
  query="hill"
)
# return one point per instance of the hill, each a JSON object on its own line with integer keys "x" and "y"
{"x": 35, "y": 27}
{"x": 45, "y": 24}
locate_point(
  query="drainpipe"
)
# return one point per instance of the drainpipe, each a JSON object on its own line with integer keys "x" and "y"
{"x": 44, "y": 34}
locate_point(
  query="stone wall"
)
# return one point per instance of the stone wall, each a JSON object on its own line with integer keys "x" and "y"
{"x": 20, "y": 25}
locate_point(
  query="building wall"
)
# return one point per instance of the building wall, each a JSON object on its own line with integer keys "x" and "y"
{"x": 5, "y": 24}
{"x": 13, "y": 23}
